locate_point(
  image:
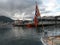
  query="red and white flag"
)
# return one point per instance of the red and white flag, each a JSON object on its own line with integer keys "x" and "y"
{"x": 37, "y": 13}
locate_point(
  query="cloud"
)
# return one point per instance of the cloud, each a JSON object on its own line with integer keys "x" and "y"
{"x": 16, "y": 8}
{"x": 49, "y": 4}
{"x": 10, "y": 8}
{"x": 51, "y": 7}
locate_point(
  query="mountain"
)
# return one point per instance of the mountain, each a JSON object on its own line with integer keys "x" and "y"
{"x": 5, "y": 19}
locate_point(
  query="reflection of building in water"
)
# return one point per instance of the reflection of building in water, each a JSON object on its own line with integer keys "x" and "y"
{"x": 20, "y": 32}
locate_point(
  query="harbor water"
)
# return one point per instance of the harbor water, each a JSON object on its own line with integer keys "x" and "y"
{"x": 23, "y": 35}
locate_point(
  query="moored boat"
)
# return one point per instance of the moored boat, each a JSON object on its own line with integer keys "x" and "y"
{"x": 51, "y": 39}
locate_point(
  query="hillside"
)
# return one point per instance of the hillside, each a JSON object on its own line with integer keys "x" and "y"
{"x": 5, "y": 19}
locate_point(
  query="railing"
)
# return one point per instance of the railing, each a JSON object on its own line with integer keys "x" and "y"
{"x": 53, "y": 33}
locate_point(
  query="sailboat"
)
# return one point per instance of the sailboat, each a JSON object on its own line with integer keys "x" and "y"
{"x": 50, "y": 39}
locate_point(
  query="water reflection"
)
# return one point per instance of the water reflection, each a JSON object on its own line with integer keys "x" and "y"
{"x": 20, "y": 36}
{"x": 25, "y": 32}
{"x": 25, "y": 35}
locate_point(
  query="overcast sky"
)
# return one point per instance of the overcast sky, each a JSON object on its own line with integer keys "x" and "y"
{"x": 17, "y": 9}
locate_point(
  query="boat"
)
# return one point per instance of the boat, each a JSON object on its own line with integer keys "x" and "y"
{"x": 50, "y": 39}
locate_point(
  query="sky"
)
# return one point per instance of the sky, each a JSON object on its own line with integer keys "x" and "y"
{"x": 25, "y": 9}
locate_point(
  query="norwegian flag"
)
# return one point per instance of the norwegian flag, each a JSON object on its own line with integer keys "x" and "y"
{"x": 37, "y": 13}
{"x": 36, "y": 16}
